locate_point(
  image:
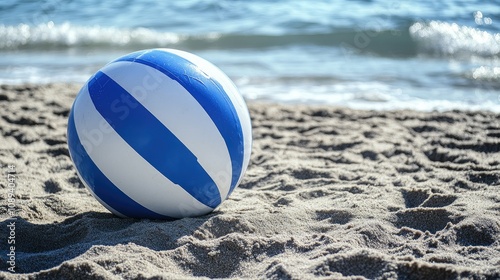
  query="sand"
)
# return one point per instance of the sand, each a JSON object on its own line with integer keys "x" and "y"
{"x": 330, "y": 193}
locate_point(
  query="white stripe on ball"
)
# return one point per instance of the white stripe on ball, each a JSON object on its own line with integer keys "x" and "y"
{"x": 232, "y": 92}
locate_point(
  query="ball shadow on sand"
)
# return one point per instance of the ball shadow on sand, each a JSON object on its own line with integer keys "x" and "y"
{"x": 43, "y": 246}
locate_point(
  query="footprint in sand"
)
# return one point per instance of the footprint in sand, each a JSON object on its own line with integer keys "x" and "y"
{"x": 424, "y": 211}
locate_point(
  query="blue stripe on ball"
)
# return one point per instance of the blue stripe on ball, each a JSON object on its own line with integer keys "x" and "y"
{"x": 104, "y": 188}
{"x": 142, "y": 131}
{"x": 217, "y": 104}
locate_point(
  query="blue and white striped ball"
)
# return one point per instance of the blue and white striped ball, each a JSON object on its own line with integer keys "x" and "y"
{"x": 160, "y": 134}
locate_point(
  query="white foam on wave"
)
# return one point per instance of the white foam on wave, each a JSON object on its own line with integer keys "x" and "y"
{"x": 485, "y": 73}
{"x": 69, "y": 35}
{"x": 451, "y": 39}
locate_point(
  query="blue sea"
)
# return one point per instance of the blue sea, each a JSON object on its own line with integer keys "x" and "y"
{"x": 368, "y": 54}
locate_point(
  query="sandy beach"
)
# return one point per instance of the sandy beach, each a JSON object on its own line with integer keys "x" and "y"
{"x": 330, "y": 193}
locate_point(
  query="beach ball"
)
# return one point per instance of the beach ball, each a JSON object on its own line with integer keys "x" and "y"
{"x": 159, "y": 134}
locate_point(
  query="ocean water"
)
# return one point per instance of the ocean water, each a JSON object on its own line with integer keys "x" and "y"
{"x": 369, "y": 54}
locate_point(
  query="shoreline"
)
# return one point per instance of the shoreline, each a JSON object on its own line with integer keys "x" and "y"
{"x": 312, "y": 103}
{"x": 330, "y": 192}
